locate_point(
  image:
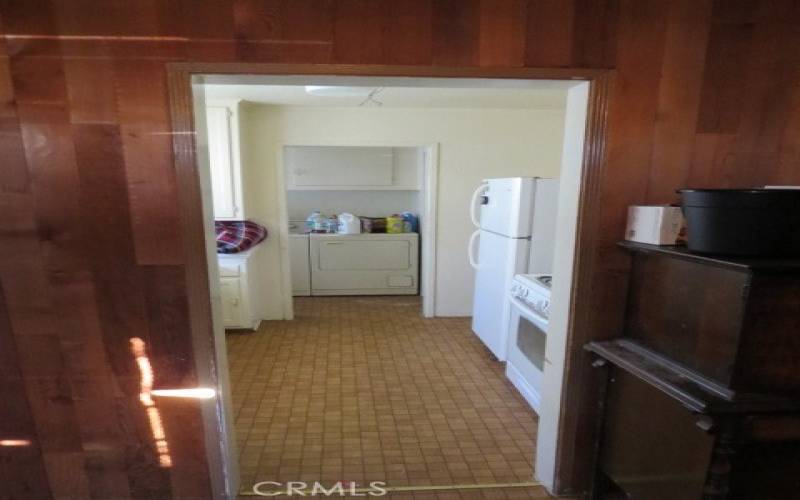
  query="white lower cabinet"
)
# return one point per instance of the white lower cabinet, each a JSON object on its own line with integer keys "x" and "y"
{"x": 299, "y": 265}
{"x": 231, "y": 292}
{"x": 238, "y": 290}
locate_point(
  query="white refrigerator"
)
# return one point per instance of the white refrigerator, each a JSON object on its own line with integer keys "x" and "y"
{"x": 515, "y": 218}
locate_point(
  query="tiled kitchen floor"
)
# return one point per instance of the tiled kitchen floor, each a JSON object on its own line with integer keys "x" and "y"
{"x": 364, "y": 389}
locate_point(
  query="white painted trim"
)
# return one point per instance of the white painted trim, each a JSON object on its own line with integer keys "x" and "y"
{"x": 217, "y": 413}
{"x": 226, "y": 103}
{"x": 283, "y": 238}
{"x": 569, "y": 198}
{"x": 430, "y": 192}
{"x": 223, "y": 409}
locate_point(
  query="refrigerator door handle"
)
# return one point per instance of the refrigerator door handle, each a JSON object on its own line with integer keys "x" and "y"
{"x": 471, "y": 249}
{"x": 473, "y": 205}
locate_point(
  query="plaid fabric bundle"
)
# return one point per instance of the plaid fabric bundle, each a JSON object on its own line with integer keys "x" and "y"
{"x": 238, "y": 235}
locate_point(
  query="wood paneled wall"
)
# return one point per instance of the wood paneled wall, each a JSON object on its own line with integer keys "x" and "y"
{"x": 706, "y": 93}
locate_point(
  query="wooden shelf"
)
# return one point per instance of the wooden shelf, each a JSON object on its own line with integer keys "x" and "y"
{"x": 740, "y": 263}
{"x": 692, "y": 390}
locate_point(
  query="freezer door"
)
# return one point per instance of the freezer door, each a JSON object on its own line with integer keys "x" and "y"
{"x": 508, "y": 206}
{"x": 499, "y": 259}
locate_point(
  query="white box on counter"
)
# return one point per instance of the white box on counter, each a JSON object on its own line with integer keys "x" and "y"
{"x": 655, "y": 224}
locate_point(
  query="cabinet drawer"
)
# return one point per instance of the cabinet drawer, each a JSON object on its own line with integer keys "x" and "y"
{"x": 229, "y": 270}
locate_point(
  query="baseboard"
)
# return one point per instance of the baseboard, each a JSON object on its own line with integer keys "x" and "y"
{"x": 530, "y": 394}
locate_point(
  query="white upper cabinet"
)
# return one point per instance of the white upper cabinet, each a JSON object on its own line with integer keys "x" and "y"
{"x": 351, "y": 168}
{"x": 223, "y": 149}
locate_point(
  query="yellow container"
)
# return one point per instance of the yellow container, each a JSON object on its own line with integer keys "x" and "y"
{"x": 394, "y": 224}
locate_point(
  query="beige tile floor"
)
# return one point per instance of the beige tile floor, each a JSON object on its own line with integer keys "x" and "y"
{"x": 364, "y": 389}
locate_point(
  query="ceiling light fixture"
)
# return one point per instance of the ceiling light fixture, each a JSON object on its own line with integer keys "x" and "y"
{"x": 337, "y": 91}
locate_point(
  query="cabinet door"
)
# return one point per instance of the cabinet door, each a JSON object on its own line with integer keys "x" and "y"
{"x": 223, "y": 174}
{"x": 231, "y": 293}
{"x": 341, "y": 167}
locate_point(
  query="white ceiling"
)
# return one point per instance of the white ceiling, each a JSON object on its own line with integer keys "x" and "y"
{"x": 538, "y": 95}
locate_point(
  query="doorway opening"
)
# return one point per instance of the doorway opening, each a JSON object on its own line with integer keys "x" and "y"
{"x": 398, "y": 427}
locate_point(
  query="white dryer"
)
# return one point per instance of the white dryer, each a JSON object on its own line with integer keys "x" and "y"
{"x": 365, "y": 264}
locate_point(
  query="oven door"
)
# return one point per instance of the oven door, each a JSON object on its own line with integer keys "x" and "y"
{"x": 526, "y": 348}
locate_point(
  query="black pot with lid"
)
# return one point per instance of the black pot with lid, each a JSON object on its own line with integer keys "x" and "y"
{"x": 743, "y": 222}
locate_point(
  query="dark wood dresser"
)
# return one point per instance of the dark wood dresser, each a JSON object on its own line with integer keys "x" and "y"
{"x": 702, "y": 398}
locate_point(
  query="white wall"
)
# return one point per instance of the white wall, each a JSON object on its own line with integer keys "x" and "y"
{"x": 558, "y": 326}
{"x": 259, "y": 204}
{"x": 474, "y": 144}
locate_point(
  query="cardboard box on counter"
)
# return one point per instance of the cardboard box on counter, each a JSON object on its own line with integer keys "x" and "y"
{"x": 655, "y": 224}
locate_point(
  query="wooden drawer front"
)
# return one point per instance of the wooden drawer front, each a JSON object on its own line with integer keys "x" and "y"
{"x": 229, "y": 270}
{"x": 652, "y": 447}
{"x": 688, "y": 312}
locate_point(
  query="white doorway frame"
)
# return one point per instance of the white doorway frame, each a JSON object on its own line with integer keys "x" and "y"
{"x": 429, "y": 190}
{"x": 192, "y": 168}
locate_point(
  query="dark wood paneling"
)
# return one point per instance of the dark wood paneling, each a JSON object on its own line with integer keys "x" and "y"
{"x": 141, "y": 90}
{"x": 550, "y": 33}
{"x": 501, "y": 39}
{"x": 359, "y": 32}
{"x": 257, "y": 19}
{"x": 675, "y": 124}
{"x": 22, "y": 468}
{"x": 455, "y": 32}
{"x": 595, "y": 33}
{"x": 408, "y": 32}
{"x": 702, "y": 95}
{"x": 724, "y": 78}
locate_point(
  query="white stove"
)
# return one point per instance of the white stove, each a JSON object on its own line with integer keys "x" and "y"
{"x": 527, "y": 337}
{"x": 533, "y": 290}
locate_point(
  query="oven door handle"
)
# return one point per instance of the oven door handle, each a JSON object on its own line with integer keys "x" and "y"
{"x": 529, "y": 313}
